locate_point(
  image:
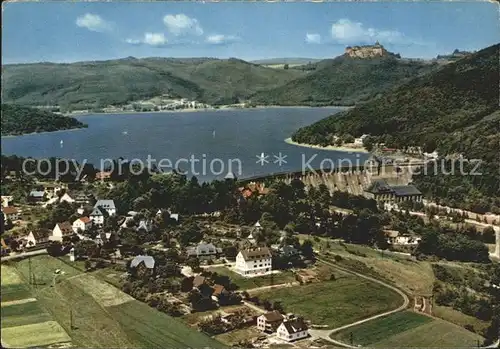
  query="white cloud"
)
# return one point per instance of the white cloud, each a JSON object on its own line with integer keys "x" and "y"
{"x": 348, "y": 32}
{"x": 152, "y": 39}
{"x": 218, "y": 39}
{"x": 93, "y": 22}
{"x": 312, "y": 38}
{"x": 181, "y": 24}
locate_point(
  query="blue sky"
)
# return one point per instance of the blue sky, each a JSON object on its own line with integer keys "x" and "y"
{"x": 77, "y": 31}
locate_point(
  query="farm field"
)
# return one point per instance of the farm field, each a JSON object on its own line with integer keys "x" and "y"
{"x": 436, "y": 334}
{"x": 374, "y": 331}
{"x": 408, "y": 329}
{"x": 335, "y": 303}
{"x": 260, "y": 281}
{"x": 234, "y": 337}
{"x": 25, "y": 323}
{"x": 98, "y": 315}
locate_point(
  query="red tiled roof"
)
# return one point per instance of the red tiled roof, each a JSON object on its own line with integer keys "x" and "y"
{"x": 102, "y": 175}
{"x": 66, "y": 228}
{"x": 9, "y": 210}
{"x": 218, "y": 289}
{"x": 85, "y": 219}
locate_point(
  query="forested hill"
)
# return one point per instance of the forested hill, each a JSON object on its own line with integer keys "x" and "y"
{"x": 453, "y": 110}
{"x": 86, "y": 85}
{"x": 344, "y": 81}
{"x": 18, "y": 120}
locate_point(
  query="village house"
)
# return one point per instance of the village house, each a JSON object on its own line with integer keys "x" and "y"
{"x": 103, "y": 176}
{"x": 82, "y": 224}
{"x": 11, "y": 213}
{"x": 66, "y": 198}
{"x": 291, "y": 330}
{"x": 61, "y": 230}
{"x": 200, "y": 282}
{"x": 37, "y": 237}
{"x": 97, "y": 216}
{"x": 270, "y": 322}
{"x": 83, "y": 198}
{"x": 359, "y": 141}
{"x": 381, "y": 191}
{"x": 254, "y": 261}
{"x": 51, "y": 190}
{"x": 108, "y": 205}
{"x": 203, "y": 251}
{"x": 146, "y": 225}
{"x": 36, "y": 196}
{"x": 220, "y": 294}
{"x": 7, "y": 200}
{"x": 394, "y": 238}
{"x": 148, "y": 261}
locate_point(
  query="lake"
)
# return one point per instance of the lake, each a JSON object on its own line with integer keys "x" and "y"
{"x": 208, "y": 144}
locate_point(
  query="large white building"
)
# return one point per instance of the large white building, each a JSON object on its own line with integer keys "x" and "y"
{"x": 108, "y": 205}
{"x": 255, "y": 261}
{"x": 292, "y": 330}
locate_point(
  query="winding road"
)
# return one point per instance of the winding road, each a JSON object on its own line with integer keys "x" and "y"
{"x": 325, "y": 334}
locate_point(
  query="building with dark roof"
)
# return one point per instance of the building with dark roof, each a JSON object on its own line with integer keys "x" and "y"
{"x": 381, "y": 191}
{"x": 269, "y": 322}
{"x": 149, "y": 262}
{"x": 291, "y": 330}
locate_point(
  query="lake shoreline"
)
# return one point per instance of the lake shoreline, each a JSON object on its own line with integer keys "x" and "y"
{"x": 197, "y": 110}
{"x": 41, "y": 132}
{"x": 328, "y": 148}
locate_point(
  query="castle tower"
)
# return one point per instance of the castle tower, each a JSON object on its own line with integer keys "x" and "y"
{"x": 497, "y": 249}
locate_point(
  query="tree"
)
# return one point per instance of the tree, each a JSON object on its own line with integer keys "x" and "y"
{"x": 193, "y": 263}
{"x": 488, "y": 235}
{"x": 286, "y": 66}
{"x": 307, "y": 249}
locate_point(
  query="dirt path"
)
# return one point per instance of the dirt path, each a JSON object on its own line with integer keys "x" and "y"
{"x": 325, "y": 334}
{"x": 288, "y": 284}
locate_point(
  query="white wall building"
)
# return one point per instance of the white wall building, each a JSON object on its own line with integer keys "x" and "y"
{"x": 108, "y": 205}
{"x": 255, "y": 261}
{"x": 292, "y": 330}
{"x": 82, "y": 223}
{"x": 61, "y": 230}
{"x": 97, "y": 216}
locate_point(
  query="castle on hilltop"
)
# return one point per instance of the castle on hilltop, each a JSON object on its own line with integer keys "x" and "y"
{"x": 367, "y": 51}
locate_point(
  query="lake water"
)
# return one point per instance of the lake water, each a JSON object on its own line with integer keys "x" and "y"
{"x": 221, "y": 141}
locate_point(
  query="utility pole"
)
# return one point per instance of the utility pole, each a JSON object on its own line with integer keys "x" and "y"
{"x": 351, "y": 338}
{"x": 29, "y": 269}
{"x": 71, "y": 319}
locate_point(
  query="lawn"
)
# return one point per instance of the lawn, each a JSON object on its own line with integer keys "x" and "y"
{"x": 23, "y": 314}
{"x": 102, "y": 315}
{"x": 379, "y": 329}
{"x": 24, "y": 321}
{"x": 437, "y": 334}
{"x": 153, "y": 329}
{"x": 335, "y": 303}
{"x": 43, "y": 333}
{"x": 458, "y": 318}
{"x": 236, "y": 336}
{"x": 249, "y": 283}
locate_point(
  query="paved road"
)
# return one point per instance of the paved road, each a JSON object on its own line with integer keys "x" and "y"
{"x": 24, "y": 254}
{"x": 325, "y": 334}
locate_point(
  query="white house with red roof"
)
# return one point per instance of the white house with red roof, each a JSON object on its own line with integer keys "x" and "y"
{"x": 82, "y": 224}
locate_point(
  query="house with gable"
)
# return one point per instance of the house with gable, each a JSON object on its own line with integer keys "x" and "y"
{"x": 97, "y": 216}
{"x": 61, "y": 230}
{"x": 37, "y": 237}
{"x": 293, "y": 329}
{"x": 108, "y": 205}
{"x": 204, "y": 251}
{"x": 269, "y": 322}
{"x": 10, "y": 213}
{"x": 82, "y": 224}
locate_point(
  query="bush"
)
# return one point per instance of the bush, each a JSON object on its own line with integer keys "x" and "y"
{"x": 338, "y": 258}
